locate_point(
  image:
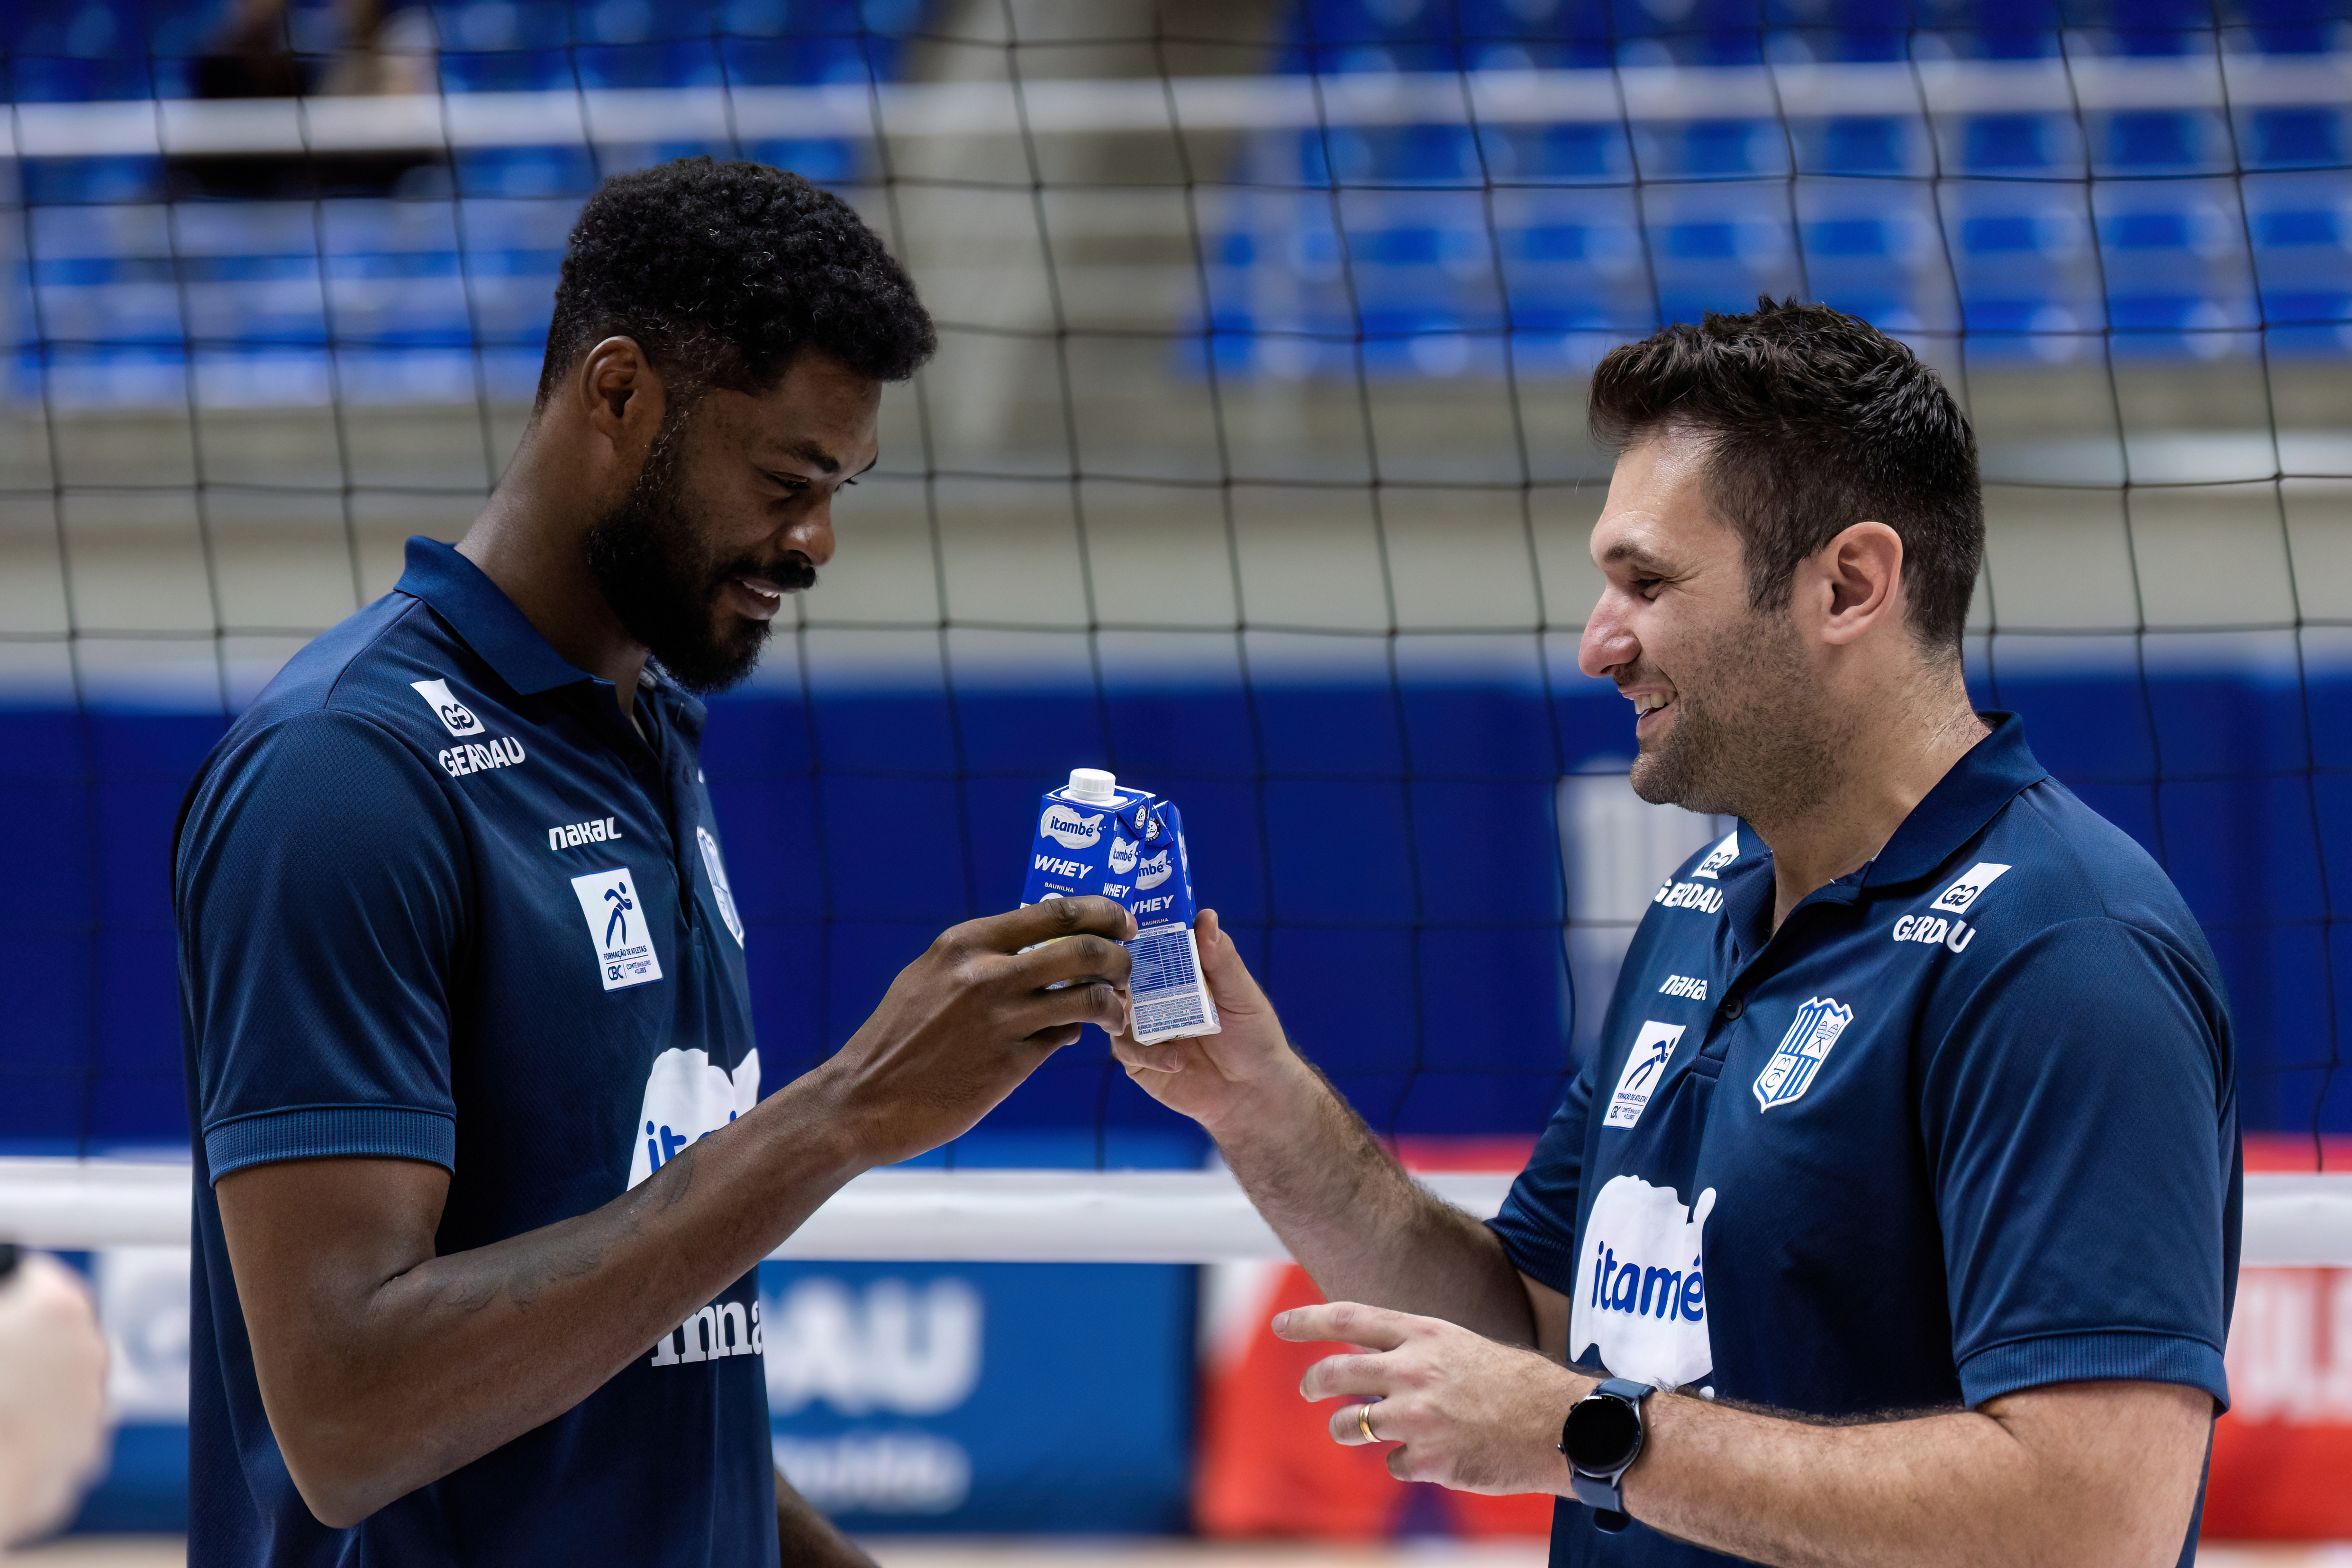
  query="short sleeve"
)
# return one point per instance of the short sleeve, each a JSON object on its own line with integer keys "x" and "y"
{"x": 319, "y": 881}
{"x": 1538, "y": 1222}
{"x": 2080, "y": 1120}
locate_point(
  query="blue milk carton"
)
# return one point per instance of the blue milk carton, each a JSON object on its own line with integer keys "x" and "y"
{"x": 1094, "y": 836}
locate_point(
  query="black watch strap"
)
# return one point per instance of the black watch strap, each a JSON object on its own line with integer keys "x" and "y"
{"x": 1602, "y": 1490}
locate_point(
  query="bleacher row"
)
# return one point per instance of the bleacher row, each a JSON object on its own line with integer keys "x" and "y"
{"x": 2194, "y": 232}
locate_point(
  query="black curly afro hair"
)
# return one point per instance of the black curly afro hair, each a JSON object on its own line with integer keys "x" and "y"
{"x": 719, "y": 271}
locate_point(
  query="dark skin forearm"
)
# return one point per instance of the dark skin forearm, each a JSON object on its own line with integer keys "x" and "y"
{"x": 389, "y": 1368}
{"x": 383, "y": 1366}
{"x": 806, "y": 1539}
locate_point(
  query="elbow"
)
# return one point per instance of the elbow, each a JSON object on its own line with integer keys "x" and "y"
{"x": 341, "y": 1477}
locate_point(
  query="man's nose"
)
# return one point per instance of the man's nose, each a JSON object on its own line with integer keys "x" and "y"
{"x": 1607, "y": 643}
{"x": 812, "y": 532}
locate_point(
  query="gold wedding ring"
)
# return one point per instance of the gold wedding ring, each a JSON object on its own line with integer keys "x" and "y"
{"x": 1364, "y": 1423}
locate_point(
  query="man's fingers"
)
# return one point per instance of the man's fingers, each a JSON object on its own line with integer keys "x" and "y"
{"x": 1348, "y": 1322}
{"x": 1346, "y": 1376}
{"x": 1098, "y": 1002}
{"x": 1047, "y": 919}
{"x": 1348, "y": 1422}
{"x": 1221, "y": 963}
{"x": 1085, "y": 956}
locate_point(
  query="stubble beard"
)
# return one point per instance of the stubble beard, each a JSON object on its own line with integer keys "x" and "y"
{"x": 663, "y": 582}
{"x": 1751, "y": 737}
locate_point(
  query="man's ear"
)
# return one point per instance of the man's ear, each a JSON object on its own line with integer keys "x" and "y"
{"x": 1857, "y": 581}
{"x": 621, "y": 395}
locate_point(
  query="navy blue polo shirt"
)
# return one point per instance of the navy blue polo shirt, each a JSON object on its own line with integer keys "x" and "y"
{"x": 1965, "y": 1124}
{"x": 439, "y": 900}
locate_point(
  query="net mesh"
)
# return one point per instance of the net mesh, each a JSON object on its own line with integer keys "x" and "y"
{"x": 1252, "y": 466}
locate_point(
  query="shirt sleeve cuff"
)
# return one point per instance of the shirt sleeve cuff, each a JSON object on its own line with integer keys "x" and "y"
{"x": 327, "y": 1132}
{"x": 2115, "y": 1356}
{"x": 1542, "y": 1251}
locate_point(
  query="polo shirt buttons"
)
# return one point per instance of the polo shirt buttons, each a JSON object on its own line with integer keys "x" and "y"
{"x": 1732, "y": 1007}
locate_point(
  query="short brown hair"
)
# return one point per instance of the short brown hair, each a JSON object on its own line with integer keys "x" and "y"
{"x": 1813, "y": 420}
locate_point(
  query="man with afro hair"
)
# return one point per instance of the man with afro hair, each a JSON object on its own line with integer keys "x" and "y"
{"x": 485, "y": 1166}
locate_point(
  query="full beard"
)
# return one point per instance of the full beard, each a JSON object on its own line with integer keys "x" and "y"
{"x": 1752, "y": 737}
{"x": 664, "y": 584}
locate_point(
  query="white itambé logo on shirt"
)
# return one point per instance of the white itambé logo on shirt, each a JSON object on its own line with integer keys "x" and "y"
{"x": 689, "y": 1097}
{"x": 1640, "y": 1284}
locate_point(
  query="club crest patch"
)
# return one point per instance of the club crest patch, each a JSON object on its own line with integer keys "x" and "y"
{"x": 1799, "y": 1058}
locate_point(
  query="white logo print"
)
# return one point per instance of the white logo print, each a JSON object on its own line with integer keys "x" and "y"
{"x": 1641, "y": 1286}
{"x": 1797, "y": 1060}
{"x": 718, "y": 887}
{"x": 620, "y": 931}
{"x": 1722, "y": 855}
{"x": 1645, "y": 1068}
{"x": 687, "y": 1098}
{"x": 455, "y": 715}
{"x": 1971, "y": 886}
{"x": 1151, "y": 873}
{"x": 1122, "y": 854}
{"x": 1065, "y": 826}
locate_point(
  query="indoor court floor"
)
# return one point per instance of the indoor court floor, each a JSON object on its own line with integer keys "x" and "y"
{"x": 164, "y": 1551}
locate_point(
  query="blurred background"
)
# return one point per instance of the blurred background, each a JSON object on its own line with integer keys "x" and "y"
{"x": 1252, "y": 466}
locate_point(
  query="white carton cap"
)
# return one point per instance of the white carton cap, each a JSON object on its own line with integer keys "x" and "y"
{"x": 1092, "y": 784}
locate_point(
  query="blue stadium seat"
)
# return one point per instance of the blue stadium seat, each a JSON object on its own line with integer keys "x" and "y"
{"x": 111, "y": 307}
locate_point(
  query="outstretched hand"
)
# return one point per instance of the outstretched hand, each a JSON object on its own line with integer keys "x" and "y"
{"x": 1214, "y": 1077}
{"x": 963, "y": 1025}
{"x": 1463, "y": 1410}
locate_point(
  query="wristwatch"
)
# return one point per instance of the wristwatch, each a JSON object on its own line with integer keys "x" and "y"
{"x": 1601, "y": 1438}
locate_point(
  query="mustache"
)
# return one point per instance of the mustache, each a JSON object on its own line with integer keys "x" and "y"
{"x": 793, "y": 572}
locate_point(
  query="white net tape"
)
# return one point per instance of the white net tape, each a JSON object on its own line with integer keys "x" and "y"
{"x": 1013, "y": 1215}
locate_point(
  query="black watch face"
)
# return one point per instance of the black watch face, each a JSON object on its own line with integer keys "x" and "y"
{"x": 1601, "y": 1434}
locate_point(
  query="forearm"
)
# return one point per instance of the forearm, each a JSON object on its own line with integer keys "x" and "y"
{"x": 1361, "y": 1226}
{"x": 806, "y": 1539}
{"x": 2025, "y": 1481}
{"x": 452, "y": 1357}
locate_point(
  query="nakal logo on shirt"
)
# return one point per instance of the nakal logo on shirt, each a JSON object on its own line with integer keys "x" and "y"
{"x": 1798, "y": 1060}
{"x": 455, "y": 717}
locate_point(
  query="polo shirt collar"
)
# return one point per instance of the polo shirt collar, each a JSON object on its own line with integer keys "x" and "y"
{"x": 1994, "y": 772}
{"x": 481, "y": 613}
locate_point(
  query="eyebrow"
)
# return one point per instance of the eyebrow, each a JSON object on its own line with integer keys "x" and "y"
{"x": 809, "y": 452}
{"x": 1626, "y": 550}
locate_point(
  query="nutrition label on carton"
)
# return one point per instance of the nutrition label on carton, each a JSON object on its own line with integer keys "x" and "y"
{"x": 1166, "y": 985}
{"x": 1094, "y": 836}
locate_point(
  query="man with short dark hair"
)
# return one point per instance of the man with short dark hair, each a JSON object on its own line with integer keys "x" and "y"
{"x": 484, "y": 1167}
{"x": 1895, "y": 1220}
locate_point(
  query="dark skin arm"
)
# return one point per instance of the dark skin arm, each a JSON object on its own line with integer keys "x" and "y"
{"x": 806, "y": 1539}
{"x": 383, "y": 1366}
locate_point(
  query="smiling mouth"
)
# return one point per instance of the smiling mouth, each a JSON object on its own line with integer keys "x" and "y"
{"x": 1647, "y": 703}
{"x": 773, "y": 592}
